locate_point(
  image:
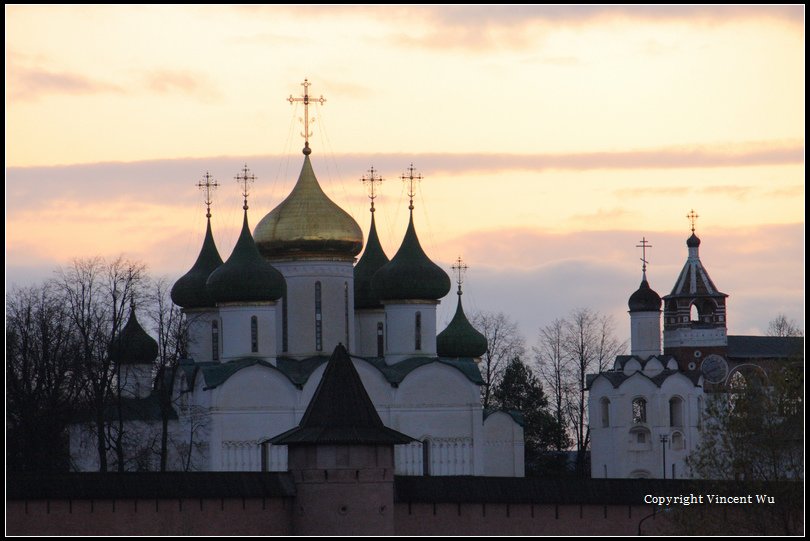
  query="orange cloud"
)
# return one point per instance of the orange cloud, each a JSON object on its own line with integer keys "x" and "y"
{"x": 29, "y": 84}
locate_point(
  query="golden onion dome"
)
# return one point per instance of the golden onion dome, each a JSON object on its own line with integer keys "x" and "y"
{"x": 308, "y": 223}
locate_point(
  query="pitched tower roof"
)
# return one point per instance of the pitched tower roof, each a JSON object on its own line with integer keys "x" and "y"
{"x": 694, "y": 280}
{"x": 341, "y": 411}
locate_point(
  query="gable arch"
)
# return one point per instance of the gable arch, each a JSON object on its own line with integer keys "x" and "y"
{"x": 436, "y": 384}
{"x": 256, "y": 387}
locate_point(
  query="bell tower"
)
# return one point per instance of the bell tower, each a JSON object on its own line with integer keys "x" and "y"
{"x": 694, "y": 312}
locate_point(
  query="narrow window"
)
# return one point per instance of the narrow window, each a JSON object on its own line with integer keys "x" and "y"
{"x": 418, "y": 332}
{"x": 386, "y": 332}
{"x": 380, "y": 350}
{"x": 254, "y": 334}
{"x": 284, "y": 342}
{"x": 215, "y": 340}
{"x": 675, "y": 411}
{"x": 605, "y": 403}
{"x": 346, "y": 311}
{"x": 318, "y": 320}
{"x": 639, "y": 411}
{"x": 641, "y": 437}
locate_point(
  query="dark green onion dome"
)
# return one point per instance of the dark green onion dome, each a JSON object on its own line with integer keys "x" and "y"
{"x": 693, "y": 241}
{"x": 410, "y": 274}
{"x": 133, "y": 345}
{"x": 246, "y": 276}
{"x": 644, "y": 299}
{"x": 373, "y": 259}
{"x": 308, "y": 223}
{"x": 190, "y": 291}
{"x": 460, "y": 339}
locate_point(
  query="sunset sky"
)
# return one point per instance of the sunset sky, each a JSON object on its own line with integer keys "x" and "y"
{"x": 551, "y": 139}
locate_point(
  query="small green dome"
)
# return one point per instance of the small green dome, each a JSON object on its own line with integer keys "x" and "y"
{"x": 246, "y": 276}
{"x": 644, "y": 299}
{"x": 190, "y": 291}
{"x": 133, "y": 345}
{"x": 410, "y": 274}
{"x": 373, "y": 259}
{"x": 460, "y": 338}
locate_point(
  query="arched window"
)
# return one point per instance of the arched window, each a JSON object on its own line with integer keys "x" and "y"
{"x": 605, "y": 407}
{"x": 418, "y": 332}
{"x": 215, "y": 340}
{"x": 677, "y": 441}
{"x": 346, "y": 311}
{"x": 284, "y": 341}
{"x": 693, "y": 313}
{"x": 639, "y": 410}
{"x": 318, "y": 318}
{"x": 254, "y": 334}
{"x": 380, "y": 334}
{"x": 675, "y": 411}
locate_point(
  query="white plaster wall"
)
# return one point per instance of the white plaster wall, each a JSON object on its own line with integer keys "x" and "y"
{"x": 503, "y": 446}
{"x": 614, "y": 449}
{"x": 366, "y": 328}
{"x": 301, "y": 277}
{"x": 400, "y": 336}
{"x": 199, "y": 333}
{"x": 136, "y": 380}
{"x": 235, "y": 331}
{"x": 645, "y": 333}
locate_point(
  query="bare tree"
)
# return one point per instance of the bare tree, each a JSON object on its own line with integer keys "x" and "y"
{"x": 555, "y": 372}
{"x": 42, "y": 385}
{"x": 504, "y": 343}
{"x": 782, "y": 326}
{"x": 97, "y": 294}
{"x": 568, "y": 350}
{"x": 171, "y": 326}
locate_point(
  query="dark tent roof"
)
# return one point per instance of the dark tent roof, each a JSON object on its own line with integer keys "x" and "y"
{"x": 341, "y": 411}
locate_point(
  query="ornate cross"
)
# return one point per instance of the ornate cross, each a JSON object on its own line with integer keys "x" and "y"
{"x": 692, "y": 218}
{"x": 305, "y": 99}
{"x": 371, "y": 179}
{"x": 245, "y": 179}
{"x": 208, "y": 184}
{"x": 410, "y": 180}
{"x": 459, "y": 268}
{"x": 644, "y": 245}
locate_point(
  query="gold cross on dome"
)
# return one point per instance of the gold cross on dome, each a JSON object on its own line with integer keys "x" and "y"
{"x": 693, "y": 216}
{"x": 372, "y": 180}
{"x": 459, "y": 268}
{"x": 245, "y": 179}
{"x": 410, "y": 179}
{"x": 306, "y": 100}
{"x": 644, "y": 245}
{"x": 208, "y": 185}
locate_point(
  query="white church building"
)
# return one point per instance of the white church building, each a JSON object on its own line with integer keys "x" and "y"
{"x": 647, "y": 412}
{"x": 263, "y": 323}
